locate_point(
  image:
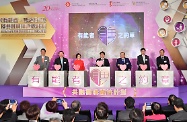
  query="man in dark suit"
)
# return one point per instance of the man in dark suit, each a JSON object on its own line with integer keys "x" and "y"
{"x": 62, "y": 61}
{"x": 162, "y": 60}
{"x": 42, "y": 60}
{"x": 181, "y": 114}
{"x": 170, "y": 106}
{"x": 129, "y": 104}
{"x": 143, "y": 59}
{"x": 76, "y": 106}
{"x": 123, "y": 61}
{"x": 102, "y": 58}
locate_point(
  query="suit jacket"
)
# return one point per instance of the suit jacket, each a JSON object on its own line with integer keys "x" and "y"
{"x": 168, "y": 108}
{"x": 44, "y": 64}
{"x": 79, "y": 117}
{"x": 64, "y": 66}
{"x": 181, "y": 115}
{"x": 123, "y": 61}
{"x": 9, "y": 116}
{"x": 124, "y": 115}
{"x": 159, "y": 61}
{"x": 106, "y": 62}
{"x": 140, "y": 61}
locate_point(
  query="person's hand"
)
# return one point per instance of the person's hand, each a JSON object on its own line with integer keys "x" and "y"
{"x": 119, "y": 64}
{"x": 14, "y": 107}
{"x": 54, "y": 99}
{"x": 144, "y": 107}
{"x": 7, "y": 107}
{"x": 65, "y": 104}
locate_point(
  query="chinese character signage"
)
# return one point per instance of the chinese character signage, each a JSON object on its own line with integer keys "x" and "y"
{"x": 77, "y": 79}
{"x": 122, "y": 78}
{"x": 99, "y": 77}
{"x": 143, "y": 78}
{"x": 165, "y": 79}
{"x": 36, "y": 78}
{"x": 57, "y": 78}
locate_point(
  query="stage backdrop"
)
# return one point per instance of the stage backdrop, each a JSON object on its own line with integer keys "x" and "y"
{"x": 89, "y": 27}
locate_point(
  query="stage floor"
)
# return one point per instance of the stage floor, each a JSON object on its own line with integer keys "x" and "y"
{"x": 98, "y": 92}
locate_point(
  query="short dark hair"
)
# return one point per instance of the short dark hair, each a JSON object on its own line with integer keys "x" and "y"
{"x": 43, "y": 49}
{"x": 178, "y": 102}
{"x": 162, "y": 50}
{"x": 129, "y": 101}
{"x": 171, "y": 99}
{"x": 142, "y": 49}
{"x": 156, "y": 107}
{"x": 136, "y": 115}
{"x": 76, "y": 105}
{"x": 78, "y": 55}
{"x": 51, "y": 106}
{"x": 68, "y": 115}
{"x": 33, "y": 112}
{"x": 102, "y": 52}
{"x": 24, "y": 105}
{"x": 2, "y": 109}
{"x": 122, "y": 52}
{"x": 61, "y": 52}
{"x": 101, "y": 111}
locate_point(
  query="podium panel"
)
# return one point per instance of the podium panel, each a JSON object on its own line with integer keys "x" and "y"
{"x": 143, "y": 79}
{"x": 165, "y": 79}
{"x": 99, "y": 77}
{"x": 77, "y": 79}
{"x": 57, "y": 79}
{"x": 37, "y": 78}
{"x": 122, "y": 79}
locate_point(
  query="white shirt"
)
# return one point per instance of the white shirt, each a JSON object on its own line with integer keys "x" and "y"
{"x": 22, "y": 117}
{"x": 45, "y": 115}
{"x": 143, "y": 56}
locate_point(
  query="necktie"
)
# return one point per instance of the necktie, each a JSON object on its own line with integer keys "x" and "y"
{"x": 123, "y": 60}
{"x": 143, "y": 58}
{"x": 61, "y": 63}
{"x": 162, "y": 58}
{"x": 43, "y": 59}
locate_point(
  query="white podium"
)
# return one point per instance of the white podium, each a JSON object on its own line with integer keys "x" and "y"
{"x": 143, "y": 79}
{"x": 57, "y": 79}
{"x": 99, "y": 77}
{"x": 122, "y": 79}
{"x": 77, "y": 79}
{"x": 37, "y": 78}
{"x": 165, "y": 79}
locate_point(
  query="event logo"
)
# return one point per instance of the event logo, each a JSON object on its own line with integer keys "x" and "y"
{"x": 56, "y": 80}
{"x": 53, "y": 7}
{"x": 110, "y": 3}
{"x": 123, "y": 80}
{"x": 143, "y": 80}
{"x": 175, "y": 42}
{"x": 76, "y": 80}
{"x": 165, "y": 80}
{"x": 35, "y": 81}
{"x": 107, "y": 35}
{"x": 68, "y": 4}
{"x": 99, "y": 77}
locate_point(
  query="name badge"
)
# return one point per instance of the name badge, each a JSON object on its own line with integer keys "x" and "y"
{"x": 45, "y": 60}
{"x": 165, "y": 61}
{"x": 64, "y": 62}
{"x": 145, "y": 59}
